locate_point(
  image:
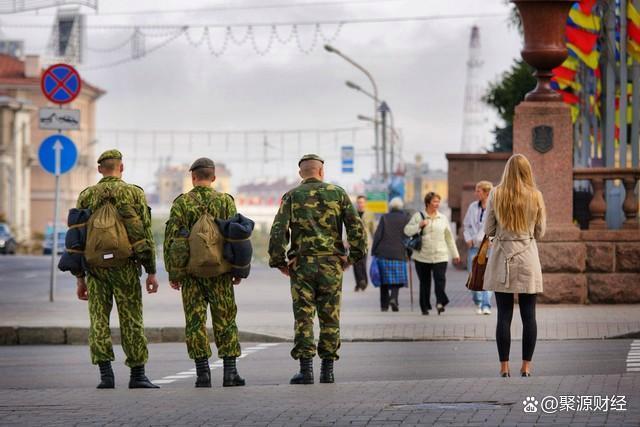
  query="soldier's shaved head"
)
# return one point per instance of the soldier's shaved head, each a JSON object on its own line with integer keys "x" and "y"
{"x": 204, "y": 174}
{"x": 111, "y": 167}
{"x": 311, "y": 168}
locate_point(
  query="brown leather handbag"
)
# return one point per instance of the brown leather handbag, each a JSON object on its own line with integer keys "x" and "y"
{"x": 475, "y": 282}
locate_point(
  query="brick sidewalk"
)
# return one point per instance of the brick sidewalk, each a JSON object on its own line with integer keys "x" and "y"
{"x": 264, "y": 313}
{"x": 458, "y": 402}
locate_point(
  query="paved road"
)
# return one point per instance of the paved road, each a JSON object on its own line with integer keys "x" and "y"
{"x": 29, "y": 276}
{"x": 45, "y": 367}
{"x": 379, "y": 384}
{"x": 264, "y": 307}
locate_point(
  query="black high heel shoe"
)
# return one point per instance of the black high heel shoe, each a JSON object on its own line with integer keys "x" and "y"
{"x": 440, "y": 308}
{"x": 525, "y": 374}
{"x": 505, "y": 374}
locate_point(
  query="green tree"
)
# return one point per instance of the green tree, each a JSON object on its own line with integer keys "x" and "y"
{"x": 504, "y": 95}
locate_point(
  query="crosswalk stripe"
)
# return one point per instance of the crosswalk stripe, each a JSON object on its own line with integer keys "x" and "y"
{"x": 218, "y": 363}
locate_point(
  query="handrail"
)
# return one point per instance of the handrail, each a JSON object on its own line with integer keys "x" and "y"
{"x": 598, "y": 205}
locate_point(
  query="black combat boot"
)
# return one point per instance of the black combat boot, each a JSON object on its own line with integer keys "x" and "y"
{"x": 107, "y": 379}
{"x": 139, "y": 379}
{"x": 305, "y": 376}
{"x": 326, "y": 371}
{"x": 204, "y": 373}
{"x": 230, "y": 376}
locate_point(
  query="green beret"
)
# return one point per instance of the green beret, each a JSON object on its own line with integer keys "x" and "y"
{"x": 311, "y": 157}
{"x": 110, "y": 154}
{"x": 202, "y": 162}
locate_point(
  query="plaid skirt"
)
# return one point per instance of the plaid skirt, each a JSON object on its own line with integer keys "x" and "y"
{"x": 392, "y": 271}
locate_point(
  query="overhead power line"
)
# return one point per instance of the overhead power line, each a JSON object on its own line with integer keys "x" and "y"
{"x": 233, "y": 8}
{"x": 397, "y": 19}
{"x": 166, "y": 34}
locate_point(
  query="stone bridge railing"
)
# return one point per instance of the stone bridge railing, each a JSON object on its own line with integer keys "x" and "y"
{"x": 598, "y": 204}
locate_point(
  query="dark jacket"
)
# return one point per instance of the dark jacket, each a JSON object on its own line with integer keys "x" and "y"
{"x": 387, "y": 242}
{"x": 73, "y": 257}
{"x": 237, "y": 247}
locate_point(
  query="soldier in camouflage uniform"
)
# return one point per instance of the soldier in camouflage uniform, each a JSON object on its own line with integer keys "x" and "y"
{"x": 198, "y": 294}
{"x": 103, "y": 285}
{"x": 311, "y": 216}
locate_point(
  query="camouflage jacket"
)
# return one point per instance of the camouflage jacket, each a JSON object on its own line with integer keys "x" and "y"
{"x": 125, "y": 195}
{"x": 312, "y": 215}
{"x": 184, "y": 214}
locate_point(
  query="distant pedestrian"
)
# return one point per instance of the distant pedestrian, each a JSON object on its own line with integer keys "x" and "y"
{"x": 390, "y": 254}
{"x": 360, "y": 267}
{"x": 119, "y": 242}
{"x": 310, "y": 222}
{"x": 515, "y": 219}
{"x": 202, "y": 288}
{"x": 473, "y": 223}
{"x": 437, "y": 246}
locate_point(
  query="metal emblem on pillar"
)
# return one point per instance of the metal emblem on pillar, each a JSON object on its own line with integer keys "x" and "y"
{"x": 542, "y": 138}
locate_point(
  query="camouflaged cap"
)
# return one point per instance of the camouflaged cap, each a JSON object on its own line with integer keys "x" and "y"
{"x": 311, "y": 216}
{"x": 110, "y": 154}
{"x": 310, "y": 157}
{"x": 202, "y": 162}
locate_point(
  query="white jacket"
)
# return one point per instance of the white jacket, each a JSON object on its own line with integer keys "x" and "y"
{"x": 438, "y": 244}
{"x": 473, "y": 226}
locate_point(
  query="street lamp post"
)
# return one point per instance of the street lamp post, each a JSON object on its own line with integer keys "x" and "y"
{"x": 384, "y": 109}
{"x": 332, "y": 49}
{"x": 395, "y": 136}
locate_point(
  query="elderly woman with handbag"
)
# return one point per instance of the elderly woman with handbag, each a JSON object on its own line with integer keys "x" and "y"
{"x": 389, "y": 253}
{"x": 516, "y": 218}
{"x": 432, "y": 258}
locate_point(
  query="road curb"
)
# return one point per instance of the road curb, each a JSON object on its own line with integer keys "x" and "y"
{"x": 53, "y": 335}
{"x": 48, "y": 335}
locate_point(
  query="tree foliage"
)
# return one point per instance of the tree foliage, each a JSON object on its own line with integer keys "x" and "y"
{"x": 504, "y": 95}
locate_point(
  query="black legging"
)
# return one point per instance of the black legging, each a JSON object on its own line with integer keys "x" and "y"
{"x": 527, "y": 303}
{"x": 439, "y": 271}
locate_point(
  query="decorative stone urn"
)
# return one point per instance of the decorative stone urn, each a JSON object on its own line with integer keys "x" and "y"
{"x": 544, "y": 49}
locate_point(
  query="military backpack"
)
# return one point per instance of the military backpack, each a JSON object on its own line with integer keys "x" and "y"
{"x": 206, "y": 244}
{"x": 107, "y": 240}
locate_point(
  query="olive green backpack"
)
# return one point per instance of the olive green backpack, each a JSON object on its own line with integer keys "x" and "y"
{"x": 107, "y": 240}
{"x": 206, "y": 244}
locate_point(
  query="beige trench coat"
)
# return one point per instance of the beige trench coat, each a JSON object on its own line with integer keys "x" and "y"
{"x": 514, "y": 264}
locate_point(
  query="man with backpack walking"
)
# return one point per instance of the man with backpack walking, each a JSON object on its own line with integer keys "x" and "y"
{"x": 193, "y": 247}
{"x": 119, "y": 241}
{"x": 311, "y": 216}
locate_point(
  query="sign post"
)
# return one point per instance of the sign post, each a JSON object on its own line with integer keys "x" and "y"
{"x": 60, "y": 84}
{"x": 57, "y": 155}
{"x": 347, "y": 154}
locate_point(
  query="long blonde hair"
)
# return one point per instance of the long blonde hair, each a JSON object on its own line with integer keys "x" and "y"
{"x": 517, "y": 196}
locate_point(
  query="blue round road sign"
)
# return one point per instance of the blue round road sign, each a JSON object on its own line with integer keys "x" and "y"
{"x": 57, "y": 154}
{"x": 60, "y": 83}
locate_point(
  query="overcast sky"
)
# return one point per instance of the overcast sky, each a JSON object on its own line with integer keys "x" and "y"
{"x": 420, "y": 69}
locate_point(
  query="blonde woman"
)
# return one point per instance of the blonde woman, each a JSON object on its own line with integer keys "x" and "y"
{"x": 437, "y": 246}
{"x": 515, "y": 220}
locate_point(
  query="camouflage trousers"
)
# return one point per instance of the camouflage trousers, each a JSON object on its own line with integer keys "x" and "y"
{"x": 217, "y": 294}
{"x": 122, "y": 284}
{"x": 316, "y": 284}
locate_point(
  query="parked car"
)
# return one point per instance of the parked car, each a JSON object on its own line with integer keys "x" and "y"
{"x": 8, "y": 243}
{"x": 48, "y": 239}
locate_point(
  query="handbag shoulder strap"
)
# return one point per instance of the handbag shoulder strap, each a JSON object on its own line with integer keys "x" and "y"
{"x": 422, "y": 229}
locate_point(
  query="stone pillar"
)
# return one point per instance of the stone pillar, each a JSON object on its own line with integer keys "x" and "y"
{"x": 542, "y": 131}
